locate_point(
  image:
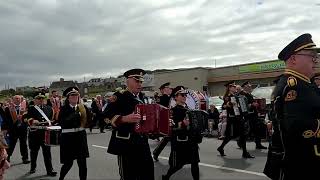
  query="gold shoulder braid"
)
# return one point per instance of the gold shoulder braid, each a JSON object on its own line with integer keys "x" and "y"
{"x": 83, "y": 117}
{"x": 292, "y": 81}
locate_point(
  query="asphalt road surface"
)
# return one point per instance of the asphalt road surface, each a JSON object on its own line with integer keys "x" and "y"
{"x": 102, "y": 165}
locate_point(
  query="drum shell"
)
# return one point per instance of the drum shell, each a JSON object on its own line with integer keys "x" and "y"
{"x": 52, "y": 137}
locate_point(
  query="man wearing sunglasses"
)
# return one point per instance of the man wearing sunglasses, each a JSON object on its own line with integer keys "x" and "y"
{"x": 297, "y": 107}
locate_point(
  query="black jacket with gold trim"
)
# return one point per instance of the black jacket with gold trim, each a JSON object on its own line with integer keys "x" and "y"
{"x": 297, "y": 106}
{"x": 124, "y": 139}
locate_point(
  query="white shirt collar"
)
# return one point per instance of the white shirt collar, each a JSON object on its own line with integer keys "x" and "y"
{"x": 73, "y": 106}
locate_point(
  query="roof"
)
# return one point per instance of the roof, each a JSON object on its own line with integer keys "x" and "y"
{"x": 61, "y": 84}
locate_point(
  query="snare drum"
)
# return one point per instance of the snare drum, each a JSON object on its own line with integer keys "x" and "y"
{"x": 52, "y": 135}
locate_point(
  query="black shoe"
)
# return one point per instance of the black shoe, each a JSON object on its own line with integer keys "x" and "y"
{"x": 32, "y": 171}
{"x": 221, "y": 151}
{"x": 261, "y": 147}
{"x": 247, "y": 155}
{"x": 26, "y": 161}
{"x": 101, "y": 131}
{"x": 52, "y": 173}
{"x": 155, "y": 158}
{"x": 164, "y": 177}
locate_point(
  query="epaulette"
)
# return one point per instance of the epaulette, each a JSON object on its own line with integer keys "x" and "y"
{"x": 292, "y": 81}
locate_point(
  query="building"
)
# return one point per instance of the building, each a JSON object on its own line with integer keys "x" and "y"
{"x": 61, "y": 85}
{"x": 96, "y": 82}
{"x": 212, "y": 80}
{"x": 25, "y": 89}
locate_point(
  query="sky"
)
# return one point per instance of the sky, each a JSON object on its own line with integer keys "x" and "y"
{"x": 44, "y": 40}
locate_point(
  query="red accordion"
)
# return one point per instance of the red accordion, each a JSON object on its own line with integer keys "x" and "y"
{"x": 154, "y": 119}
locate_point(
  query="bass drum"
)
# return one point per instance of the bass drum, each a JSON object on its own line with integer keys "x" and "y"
{"x": 192, "y": 101}
{"x": 203, "y": 101}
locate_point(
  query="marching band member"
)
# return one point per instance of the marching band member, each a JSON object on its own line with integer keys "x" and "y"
{"x": 236, "y": 124}
{"x": 252, "y": 116}
{"x": 166, "y": 91}
{"x": 97, "y": 109}
{"x": 73, "y": 142}
{"x": 55, "y": 103}
{"x": 133, "y": 151}
{"x": 16, "y": 127}
{"x": 184, "y": 149}
{"x": 39, "y": 117}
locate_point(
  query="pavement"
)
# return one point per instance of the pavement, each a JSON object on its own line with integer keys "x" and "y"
{"x": 102, "y": 165}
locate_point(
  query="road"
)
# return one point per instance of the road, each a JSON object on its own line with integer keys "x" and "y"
{"x": 102, "y": 165}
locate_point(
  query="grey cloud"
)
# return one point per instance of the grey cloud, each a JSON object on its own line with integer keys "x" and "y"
{"x": 41, "y": 41}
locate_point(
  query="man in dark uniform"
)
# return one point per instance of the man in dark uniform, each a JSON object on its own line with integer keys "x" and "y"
{"x": 97, "y": 110}
{"x": 252, "y": 115}
{"x": 39, "y": 116}
{"x": 14, "y": 125}
{"x": 165, "y": 90}
{"x": 133, "y": 151}
{"x": 297, "y": 107}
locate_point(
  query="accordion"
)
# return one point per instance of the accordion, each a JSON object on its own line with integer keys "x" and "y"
{"x": 198, "y": 124}
{"x": 241, "y": 104}
{"x": 154, "y": 119}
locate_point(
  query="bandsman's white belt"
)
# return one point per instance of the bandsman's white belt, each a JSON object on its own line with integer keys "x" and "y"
{"x": 72, "y": 130}
{"x": 38, "y": 127}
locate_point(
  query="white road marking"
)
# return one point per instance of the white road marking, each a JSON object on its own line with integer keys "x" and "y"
{"x": 103, "y": 147}
{"x": 207, "y": 165}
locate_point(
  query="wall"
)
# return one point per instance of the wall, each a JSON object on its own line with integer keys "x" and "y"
{"x": 194, "y": 78}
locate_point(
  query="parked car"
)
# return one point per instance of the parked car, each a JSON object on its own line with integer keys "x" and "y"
{"x": 217, "y": 101}
{"x": 263, "y": 92}
{"x": 87, "y": 102}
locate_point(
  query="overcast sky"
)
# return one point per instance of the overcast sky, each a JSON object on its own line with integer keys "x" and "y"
{"x": 43, "y": 40}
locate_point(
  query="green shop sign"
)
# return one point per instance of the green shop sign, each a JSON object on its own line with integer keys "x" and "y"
{"x": 268, "y": 66}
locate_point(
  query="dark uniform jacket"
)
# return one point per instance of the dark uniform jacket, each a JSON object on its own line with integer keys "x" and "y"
{"x": 297, "y": 106}
{"x": 73, "y": 145}
{"x": 250, "y": 99}
{"x": 165, "y": 100}
{"x": 3, "y": 116}
{"x": 38, "y": 135}
{"x": 8, "y": 123}
{"x": 95, "y": 109}
{"x": 184, "y": 149}
{"x": 124, "y": 140}
{"x": 36, "y": 115}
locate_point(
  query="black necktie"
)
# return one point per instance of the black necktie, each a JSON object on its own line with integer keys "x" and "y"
{"x": 17, "y": 109}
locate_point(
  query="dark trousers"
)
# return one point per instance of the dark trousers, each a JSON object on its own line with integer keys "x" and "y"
{"x": 241, "y": 132}
{"x": 21, "y": 134}
{"x": 136, "y": 167}
{"x": 194, "y": 171}
{"x": 36, "y": 140}
{"x": 100, "y": 121}
{"x": 255, "y": 129}
{"x": 242, "y": 142}
{"x": 164, "y": 141}
{"x": 82, "y": 164}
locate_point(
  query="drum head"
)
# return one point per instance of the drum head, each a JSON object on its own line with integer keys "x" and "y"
{"x": 54, "y": 127}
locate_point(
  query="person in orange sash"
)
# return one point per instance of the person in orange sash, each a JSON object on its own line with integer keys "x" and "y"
{"x": 55, "y": 102}
{"x": 16, "y": 128}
